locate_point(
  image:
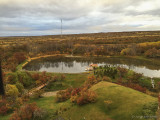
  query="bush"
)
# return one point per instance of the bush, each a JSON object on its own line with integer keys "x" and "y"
{"x": 137, "y": 87}
{"x": 152, "y": 53}
{"x": 63, "y": 95}
{"x": 105, "y": 78}
{"x": 12, "y": 79}
{"x": 106, "y": 71}
{"x": 55, "y": 78}
{"x": 28, "y": 112}
{"x": 150, "y": 109}
{"x": 35, "y": 76}
{"x": 25, "y": 78}
{"x": 20, "y": 87}
{"x": 37, "y": 94}
{"x": 82, "y": 96}
{"x": 40, "y": 114}
{"x": 135, "y": 77}
{"x": 128, "y": 51}
{"x": 41, "y": 78}
{"x": 3, "y": 107}
{"x": 79, "y": 96}
{"x": 12, "y": 92}
{"x": 86, "y": 97}
{"x": 62, "y": 77}
{"x": 19, "y": 56}
{"x": 122, "y": 71}
{"x": 91, "y": 81}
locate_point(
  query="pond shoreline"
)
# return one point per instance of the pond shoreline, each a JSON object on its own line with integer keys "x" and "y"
{"x": 121, "y": 60}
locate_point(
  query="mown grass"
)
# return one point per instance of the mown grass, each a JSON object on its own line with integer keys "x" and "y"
{"x": 71, "y": 80}
{"x": 126, "y": 103}
{"x": 5, "y": 117}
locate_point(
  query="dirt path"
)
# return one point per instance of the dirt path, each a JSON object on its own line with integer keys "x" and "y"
{"x": 48, "y": 94}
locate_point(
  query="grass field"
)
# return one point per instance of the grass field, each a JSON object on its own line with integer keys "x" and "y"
{"x": 126, "y": 104}
{"x": 71, "y": 80}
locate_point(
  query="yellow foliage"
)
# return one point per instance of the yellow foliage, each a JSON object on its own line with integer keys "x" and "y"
{"x": 11, "y": 90}
{"x": 146, "y": 44}
{"x": 108, "y": 102}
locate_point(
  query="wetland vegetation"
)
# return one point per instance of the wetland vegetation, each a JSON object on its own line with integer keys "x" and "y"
{"x": 120, "y": 88}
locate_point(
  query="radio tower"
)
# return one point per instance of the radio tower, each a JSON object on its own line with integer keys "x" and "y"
{"x": 61, "y": 28}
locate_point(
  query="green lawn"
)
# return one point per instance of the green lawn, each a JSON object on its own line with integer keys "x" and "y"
{"x": 126, "y": 103}
{"x": 71, "y": 80}
{"x": 5, "y": 117}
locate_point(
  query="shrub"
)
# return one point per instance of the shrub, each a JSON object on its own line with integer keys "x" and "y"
{"x": 19, "y": 56}
{"x": 119, "y": 80}
{"x": 55, "y": 78}
{"x": 40, "y": 114}
{"x": 41, "y": 78}
{"x": 128, "y": 51}
{"x": 74, "y": 98}
{"x": 79, "y": 96}
{"x": 135, "y": 77}
{"x": 122, "y": 71}
{"x": 91, "y": 81}
{"x": 106, "y": 71}
{"x": 20, "y": 87}
{"x": 150, "y": 109}
{"x": 152, "y": 53}
{"x": 11, "y": 91}
{"x": 82, "y": 96}
{"x": 86, "y": 97}
{"x": 28, "y": 112}
{"x": 12, "y": 79}
{"x": 62, "y": 77}
{"x": 63, "y": 95}
{"x": 105, "y": 78}
{"x": 35, "y": 76}
{"x": 25, "y": 79}
{"x": 75, "y": 91}
{"x": 158, "y": 86}
{"x": 137, "y": 87}
{"x": 3, "y": 107}
{"x": 37, "y": 94}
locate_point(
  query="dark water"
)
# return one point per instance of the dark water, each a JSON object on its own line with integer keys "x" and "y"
{"x": 79, "y": 64}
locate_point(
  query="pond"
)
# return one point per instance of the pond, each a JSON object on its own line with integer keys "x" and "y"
{"x": 61, "y": 64}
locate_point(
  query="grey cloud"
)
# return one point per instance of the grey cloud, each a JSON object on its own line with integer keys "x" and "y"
{"x": 43, "y": 16}
{"x": 121, "y": 8}
{"x": 55, "y": 9}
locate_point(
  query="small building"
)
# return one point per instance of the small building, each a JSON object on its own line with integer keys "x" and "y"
{"x": 93, "y": 65}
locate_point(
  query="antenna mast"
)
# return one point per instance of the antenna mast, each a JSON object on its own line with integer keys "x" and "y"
{"x": 61, "y": 28}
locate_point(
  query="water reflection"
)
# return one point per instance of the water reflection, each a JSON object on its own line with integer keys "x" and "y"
{"x": 78, "y": 64}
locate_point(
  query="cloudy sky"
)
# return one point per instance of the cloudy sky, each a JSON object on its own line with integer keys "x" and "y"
{"x": 42, "y": 17}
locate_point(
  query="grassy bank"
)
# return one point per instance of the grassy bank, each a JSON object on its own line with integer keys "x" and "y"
{"x": 71, "y": 80}
{"x": 125, "y": 104}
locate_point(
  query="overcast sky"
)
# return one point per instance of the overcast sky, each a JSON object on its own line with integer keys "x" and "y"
{"x": 42, "y": 17}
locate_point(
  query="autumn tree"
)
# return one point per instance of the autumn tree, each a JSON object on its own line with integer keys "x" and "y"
{"x": 19, "y": 56}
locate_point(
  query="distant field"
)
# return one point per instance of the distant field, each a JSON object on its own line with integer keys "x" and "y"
{"x": 98, "y": 38}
